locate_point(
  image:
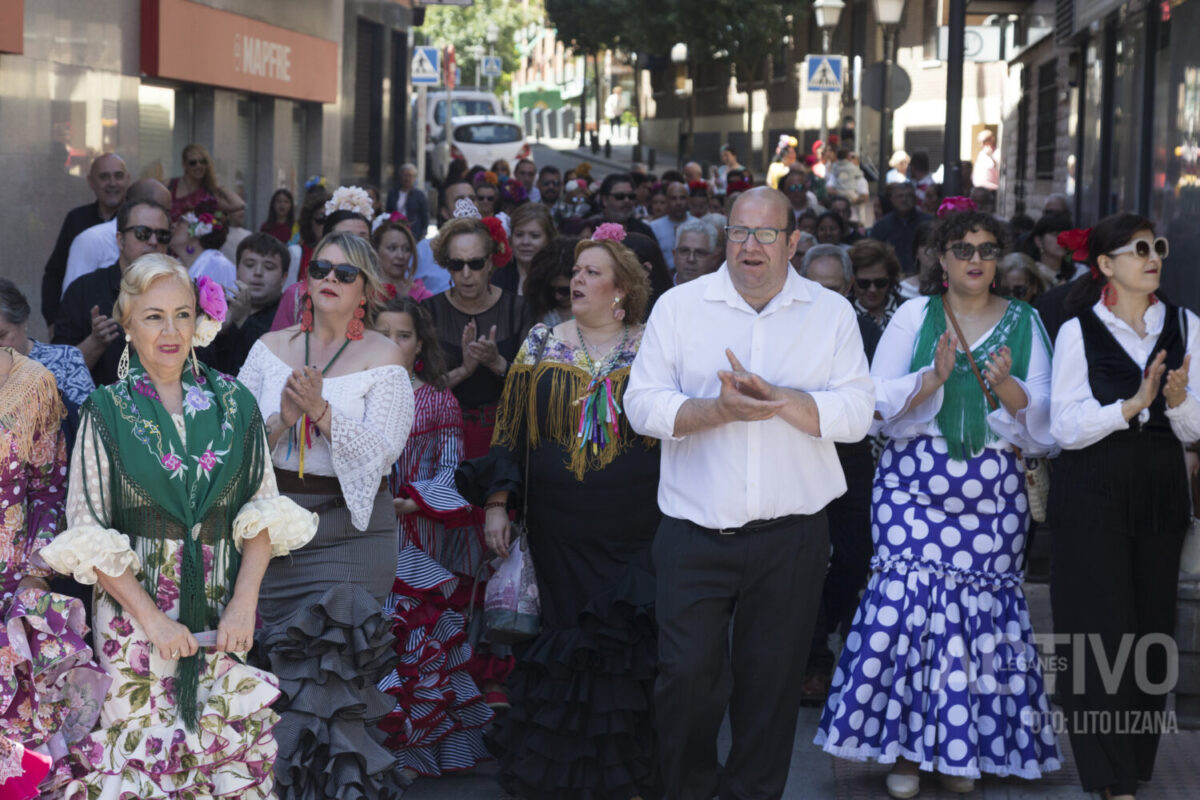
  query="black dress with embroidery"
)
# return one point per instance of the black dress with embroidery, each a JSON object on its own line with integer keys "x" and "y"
{"x": 581, "y": 723}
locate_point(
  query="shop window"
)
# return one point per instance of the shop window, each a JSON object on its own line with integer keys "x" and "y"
{"x": 156, "y": 125}
{"x": 1047, "y": 119}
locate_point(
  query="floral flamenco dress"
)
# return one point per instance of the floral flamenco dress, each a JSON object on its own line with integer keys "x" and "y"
{"x": 437, "y": 724}
{"x": 50, "y": 689}
{"x": 173, "y": 498}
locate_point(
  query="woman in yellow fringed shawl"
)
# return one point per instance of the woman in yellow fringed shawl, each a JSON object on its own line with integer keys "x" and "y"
{"x": 581, "y": 691}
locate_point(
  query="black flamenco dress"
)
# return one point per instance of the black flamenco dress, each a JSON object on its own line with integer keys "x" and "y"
{"x": 581, "y": 723}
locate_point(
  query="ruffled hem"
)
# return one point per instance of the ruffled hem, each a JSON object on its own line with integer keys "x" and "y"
{"x": 289, "y": 526}
{"x": 57, "y": 684}
{"x": 943, "y": 673}
{"x": 21, "y": 770}
{"x": 81, "y": 550}
{"x": 328, "y": 658}
{"x": 434, "y": 727}
{"x": 229, "y": 755}
{"x": 581, "y": 723}
{"x": 1032, "y": 771}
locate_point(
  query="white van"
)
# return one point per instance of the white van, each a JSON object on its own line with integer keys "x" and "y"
{"x": 468, "y": 102}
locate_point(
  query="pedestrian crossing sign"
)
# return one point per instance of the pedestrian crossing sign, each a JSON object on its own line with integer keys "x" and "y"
{"x": 824, "y": 73}
{"x": 425, "y": 66}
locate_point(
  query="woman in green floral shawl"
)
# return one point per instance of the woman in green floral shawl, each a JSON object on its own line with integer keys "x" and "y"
{"x": 168, "y": 500}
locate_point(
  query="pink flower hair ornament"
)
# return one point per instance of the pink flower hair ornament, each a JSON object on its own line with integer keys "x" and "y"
{"x": 211, "y": 296}
{"x": 954, "y": 205}
{"x": 609, "y": 231}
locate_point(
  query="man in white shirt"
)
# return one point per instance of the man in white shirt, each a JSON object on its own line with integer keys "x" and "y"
{"x": 436, "y": 279}
{"x": 96, "y": 247}
{"x": 677, "y": 214}
{"x": 748, "y": 376}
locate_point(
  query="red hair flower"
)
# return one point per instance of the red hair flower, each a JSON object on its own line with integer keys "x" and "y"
{"x": 954, "y": 205}
{"x": 698, "y": 188}
{"x": 503, "y": 253}
{"x": 397, "y": 216}
{"x": 1076, "y": 242}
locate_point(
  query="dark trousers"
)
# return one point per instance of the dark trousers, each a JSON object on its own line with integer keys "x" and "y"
{"x": 772, "y": 580}
{"x": 1108, "y": 582}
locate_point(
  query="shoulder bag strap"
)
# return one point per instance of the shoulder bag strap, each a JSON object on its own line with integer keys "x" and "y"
{"x": 533, "y": 388}
{"x": 991, "y": 401}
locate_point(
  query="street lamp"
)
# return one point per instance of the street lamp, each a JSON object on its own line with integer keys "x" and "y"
{"x": 827, "y": 12}
{"x": 887, "y": 14}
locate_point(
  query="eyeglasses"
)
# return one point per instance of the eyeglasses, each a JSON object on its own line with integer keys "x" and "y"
{"x": 197, "y": 162}
{"x": 562, "y": 291}
{"x": 740, "y": 233}
{"x": 143, "y": 233}
{"x": 459, "y": 264}
{"x": 687, "y": 253}
{"x": 623, "y": 195}
{"x": 965, "y": 251}
{"x": 1019, "y": 292}
{"x": 796, "y": 188}
{"x": 1142, "y": 248}
{"x": 873, "y": 283}
{"x": 345, "y": 273}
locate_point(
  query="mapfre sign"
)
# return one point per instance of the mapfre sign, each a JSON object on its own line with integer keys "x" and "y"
{"x": 190, "y": 42}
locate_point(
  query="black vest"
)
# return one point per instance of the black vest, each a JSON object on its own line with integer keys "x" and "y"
{"x": 1114, "y": 376}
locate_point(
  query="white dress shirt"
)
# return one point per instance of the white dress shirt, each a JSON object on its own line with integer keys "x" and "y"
{"x": 436, "y": 279}
{"x": 1077, "y": 418}
{"x": 93, "y": 249}
{"x": 896, "y": 386}
{"x": 806, "y": 338}
{"x": 215, "y": 265}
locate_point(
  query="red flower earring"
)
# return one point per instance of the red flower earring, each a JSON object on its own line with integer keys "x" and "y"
{"x": 306, "y": 314}
{"x": 354, "y": 329}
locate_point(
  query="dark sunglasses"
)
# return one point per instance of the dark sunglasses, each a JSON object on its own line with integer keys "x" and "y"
{"x": 623, "y": 195}
{"x": 143, "y": 233}
{"x": 197, "y": 162}
{"x": 1019, "y": 292}
{"x": 795, "y": 188}
{"x": 562, "y": 291}
{"x": 459, "y": 264}
{"x": 965, "y": 251}
{"x": 550, "y": 183}
{"x": 345, "y": 273}
{"x": 876, "y": 283}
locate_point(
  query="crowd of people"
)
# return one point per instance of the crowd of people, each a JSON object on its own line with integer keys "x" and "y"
{"x": 758, "y": 445}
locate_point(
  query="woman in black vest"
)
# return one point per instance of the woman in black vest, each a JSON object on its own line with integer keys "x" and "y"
{"x": 1122, "y": 409}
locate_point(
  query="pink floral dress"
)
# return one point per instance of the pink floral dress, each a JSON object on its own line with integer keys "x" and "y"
{"x": 50, "y": 690}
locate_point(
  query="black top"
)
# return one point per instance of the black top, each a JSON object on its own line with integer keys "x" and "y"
{"x": 899, "y": 232}
{"x": 73, "y": 323}
{"x": 871, "y": 334}
{"x": 230, "y": 348}
{"x": 635, "y": 225}
{"x": 507, "y": 277}
{"x": 1113, "y": 375}
{"x": 77, "y": 221}
{"x": 483, "y": 387}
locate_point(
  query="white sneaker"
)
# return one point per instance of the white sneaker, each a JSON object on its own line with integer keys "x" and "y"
{"x": 957, "y": 783}
{"x": 903, "y": 786}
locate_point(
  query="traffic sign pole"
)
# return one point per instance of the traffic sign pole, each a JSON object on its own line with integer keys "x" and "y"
{"x": 422, "y": 73}
{"x": 421, "y": 137}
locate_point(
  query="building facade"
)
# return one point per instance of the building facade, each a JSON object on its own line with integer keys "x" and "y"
{"x": 272, "y": 88}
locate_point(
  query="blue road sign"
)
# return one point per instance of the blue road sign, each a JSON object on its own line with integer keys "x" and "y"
{"x": 491, "y": 66}
{"x": 425, "y": 66}
{"x": 825, "y": 73}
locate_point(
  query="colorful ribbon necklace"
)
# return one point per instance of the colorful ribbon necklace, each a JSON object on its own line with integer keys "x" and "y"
{"x": 309, "y": 431}
{"x": 599, "y": 410}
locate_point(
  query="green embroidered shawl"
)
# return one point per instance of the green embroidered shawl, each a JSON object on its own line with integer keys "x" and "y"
{"x": 163, "y": 489}
{"x": 963, "y": 415}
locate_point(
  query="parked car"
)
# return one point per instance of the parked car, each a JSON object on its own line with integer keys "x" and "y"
{"x": 467, "y": 102}
{"x": 481, "y": 140}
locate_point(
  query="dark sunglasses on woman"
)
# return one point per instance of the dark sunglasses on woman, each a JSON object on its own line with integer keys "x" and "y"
{"x": 459, "y": 264}
{"x": 878, "y": 283}
{"x": 345, "y": 273}
{"x": 965, "y": 251}
{"x": 143, "y": 233}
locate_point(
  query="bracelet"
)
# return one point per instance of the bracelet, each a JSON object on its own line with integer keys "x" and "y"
{"x": 496, "y": 504}
{"x": 324, "y": 411}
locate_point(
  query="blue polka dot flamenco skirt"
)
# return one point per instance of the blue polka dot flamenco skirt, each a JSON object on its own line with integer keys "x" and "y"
{"x": 940, "y": 666}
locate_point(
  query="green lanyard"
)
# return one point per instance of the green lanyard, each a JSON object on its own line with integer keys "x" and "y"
{"x": 345, "y": 344}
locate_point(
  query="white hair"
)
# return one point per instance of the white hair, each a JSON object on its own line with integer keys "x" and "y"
{"x": 698, "y": 226}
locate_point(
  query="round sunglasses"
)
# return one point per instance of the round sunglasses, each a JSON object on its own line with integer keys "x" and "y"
{"x": 1142, "y": 247}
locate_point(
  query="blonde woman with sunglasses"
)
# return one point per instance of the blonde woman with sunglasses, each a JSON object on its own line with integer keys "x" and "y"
{"x": 1123, "y": 406}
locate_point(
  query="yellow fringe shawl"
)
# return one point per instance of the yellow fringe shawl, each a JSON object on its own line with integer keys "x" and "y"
{"x": 519, "y": 404}
{"x": 29, "y": 404}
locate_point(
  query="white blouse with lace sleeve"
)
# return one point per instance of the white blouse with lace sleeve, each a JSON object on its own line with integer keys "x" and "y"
{"x": 89, "y": 543}
{"x": 371, "y": 415}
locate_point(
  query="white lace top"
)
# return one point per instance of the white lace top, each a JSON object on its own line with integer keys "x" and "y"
{"x": 87, "y": 545}
{"x": 372, "y": 413}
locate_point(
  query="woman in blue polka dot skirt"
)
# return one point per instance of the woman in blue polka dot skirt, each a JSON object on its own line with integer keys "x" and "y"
{"x": 939, "y": 672}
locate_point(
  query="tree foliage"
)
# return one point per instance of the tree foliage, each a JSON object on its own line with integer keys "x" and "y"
{"x": 466, "y": 27}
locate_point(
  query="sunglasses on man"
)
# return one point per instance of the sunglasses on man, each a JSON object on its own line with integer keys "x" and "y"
{"x": 344, "y": 273}
{"x": 459, "y": 264}
{"x": 623, "y": 196}
{"x": 143, "y": 233}
{"x": 873, "y": 283}
{"x": 1142, "y": 247}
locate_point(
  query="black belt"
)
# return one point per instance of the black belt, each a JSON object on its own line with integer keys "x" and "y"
{"x": 290, "y": 482}
{"x": 756, "y": 525}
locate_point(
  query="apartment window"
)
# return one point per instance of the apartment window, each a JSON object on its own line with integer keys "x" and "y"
{"x": 1047, "y": 119}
